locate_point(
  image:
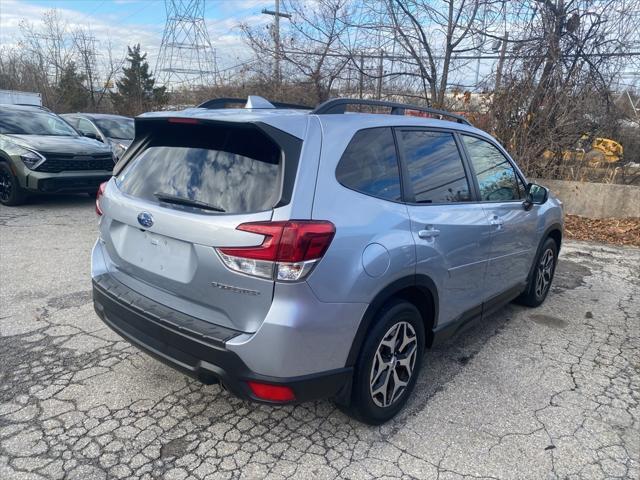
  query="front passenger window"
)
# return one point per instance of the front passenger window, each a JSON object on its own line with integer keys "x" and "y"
{"x": 496, "y": 176}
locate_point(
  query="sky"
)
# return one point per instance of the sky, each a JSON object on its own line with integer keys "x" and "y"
{"x": 127, "y": 22}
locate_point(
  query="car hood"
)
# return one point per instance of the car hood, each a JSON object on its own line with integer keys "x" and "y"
{"x": 61, "y": 144}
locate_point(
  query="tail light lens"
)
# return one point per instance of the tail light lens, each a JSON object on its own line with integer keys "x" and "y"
{"x": 288, "y": 252}
{"x": 98, "y": 196}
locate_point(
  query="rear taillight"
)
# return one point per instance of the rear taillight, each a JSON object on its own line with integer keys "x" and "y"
{"x": 287, "y": 253}
{"x": 98, "y": 196}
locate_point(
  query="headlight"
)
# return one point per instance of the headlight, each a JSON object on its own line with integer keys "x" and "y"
{"x": 30, "y": 158}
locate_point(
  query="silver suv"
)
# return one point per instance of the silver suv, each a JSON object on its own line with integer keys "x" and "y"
{"x": 291, "y": 254}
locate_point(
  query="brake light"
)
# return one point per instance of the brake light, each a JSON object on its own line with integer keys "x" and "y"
{"x": 190, "y": 121}
{"x": 101, "y": 188}
{"x": 273, "y": 393}
{"x": 288, "y": 252}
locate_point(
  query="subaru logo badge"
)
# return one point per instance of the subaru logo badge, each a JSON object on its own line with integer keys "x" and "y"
{"x": 145, "y": 219}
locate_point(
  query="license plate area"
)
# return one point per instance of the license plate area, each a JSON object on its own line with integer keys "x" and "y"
{"x": 155, "y": 253}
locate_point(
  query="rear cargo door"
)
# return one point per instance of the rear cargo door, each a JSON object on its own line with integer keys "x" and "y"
{"x": 183, "y": 192}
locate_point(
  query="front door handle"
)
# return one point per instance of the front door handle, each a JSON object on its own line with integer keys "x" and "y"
{"x": 496, "y": 220}
{"x": 428, "y": 233}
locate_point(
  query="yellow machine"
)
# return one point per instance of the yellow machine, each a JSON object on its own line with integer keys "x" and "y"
{"x": 604, "y": 151}
{"x": 601, "y": 152}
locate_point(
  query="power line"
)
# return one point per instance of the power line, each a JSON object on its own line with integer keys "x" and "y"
{"x": 376, "y": 56}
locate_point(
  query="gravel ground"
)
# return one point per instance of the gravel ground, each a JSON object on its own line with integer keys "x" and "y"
{"x": 547, "y": 393}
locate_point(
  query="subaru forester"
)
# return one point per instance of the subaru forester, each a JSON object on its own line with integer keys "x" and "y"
{"x": 293, "y": 254}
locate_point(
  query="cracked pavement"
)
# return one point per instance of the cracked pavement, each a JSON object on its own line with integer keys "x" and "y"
{"x": 551, "y": 392}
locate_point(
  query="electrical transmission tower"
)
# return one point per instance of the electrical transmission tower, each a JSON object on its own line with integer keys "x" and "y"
{"x": 186, "y": 57}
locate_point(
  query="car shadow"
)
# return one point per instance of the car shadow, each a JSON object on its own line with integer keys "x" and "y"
{"x": 59, "y": 200}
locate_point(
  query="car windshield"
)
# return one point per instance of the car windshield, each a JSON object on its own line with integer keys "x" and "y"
{"x": 121, "y": 128}
{"x": 34, "y": 122}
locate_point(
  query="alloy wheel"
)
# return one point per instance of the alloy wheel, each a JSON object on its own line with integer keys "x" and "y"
{"x": 393, "y": 364}
{"x": 6, "y": 185}
{"x": 544, "y": 272}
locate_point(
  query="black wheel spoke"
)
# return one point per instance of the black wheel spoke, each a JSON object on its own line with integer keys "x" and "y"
{"x": 6, "y": 186}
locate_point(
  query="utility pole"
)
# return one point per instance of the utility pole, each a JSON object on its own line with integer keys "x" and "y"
{"x": 361, "y": 86}
{"x": 380, "y": 73}
{"x": 503, "y": 54}
{"x": 276, "y": 37}
{"x": 482, "y": 39}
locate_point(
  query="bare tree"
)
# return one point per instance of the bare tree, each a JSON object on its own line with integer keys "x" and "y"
{"x": 425, "y": 36}
{"x": 562, "y": 67}
{"x": 99, "y": 68}
{"x": 308, "y": 44}
{"x": 51, "y": 59}
{"x": 49, "y": 50}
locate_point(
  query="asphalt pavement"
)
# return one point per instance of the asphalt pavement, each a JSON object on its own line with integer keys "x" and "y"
{"x": 542, "y": 393}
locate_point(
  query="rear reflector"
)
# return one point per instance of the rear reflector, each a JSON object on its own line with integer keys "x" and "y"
{"x": 101, "y": 188}
{"x": 273, "y": 393}
{"x": 288, "y": 251}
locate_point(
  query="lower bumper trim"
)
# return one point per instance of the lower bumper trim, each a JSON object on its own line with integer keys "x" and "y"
{"x": 205, "y": 359}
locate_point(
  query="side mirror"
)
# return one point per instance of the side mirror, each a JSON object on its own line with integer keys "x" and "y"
{"x": 91, "y": 135}
{"x": 535, "y": 195}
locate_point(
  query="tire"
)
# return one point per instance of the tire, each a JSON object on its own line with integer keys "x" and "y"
{"x": 542, "y": 275}
{"x": 11, "y": 194}
{"x": 372, "y": 403}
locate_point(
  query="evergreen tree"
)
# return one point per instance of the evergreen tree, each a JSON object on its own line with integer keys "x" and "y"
{"x": 72, "y": 96}
{"x": 137, "y": 92}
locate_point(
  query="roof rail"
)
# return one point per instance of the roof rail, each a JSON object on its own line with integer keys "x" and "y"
{"x": 339, "y": 105}
{"x": 40, "y": 107}
{"x": 226, "y": 102}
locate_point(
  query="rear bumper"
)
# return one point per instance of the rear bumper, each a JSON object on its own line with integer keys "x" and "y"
{"x": 198, "y": 348}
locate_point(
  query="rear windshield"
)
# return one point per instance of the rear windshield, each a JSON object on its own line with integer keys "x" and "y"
{"x": 216, "y": 169}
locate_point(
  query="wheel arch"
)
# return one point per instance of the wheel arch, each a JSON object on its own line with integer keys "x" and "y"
{"x": 4, "y": 158}
{"x": 553, "y": 231}
{"x": 419, "y": 290}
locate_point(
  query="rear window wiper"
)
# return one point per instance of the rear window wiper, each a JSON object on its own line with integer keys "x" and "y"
{"x": 167, "y": 198}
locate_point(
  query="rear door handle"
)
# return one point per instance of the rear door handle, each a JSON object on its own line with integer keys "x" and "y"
{"x": 428, "y": 233}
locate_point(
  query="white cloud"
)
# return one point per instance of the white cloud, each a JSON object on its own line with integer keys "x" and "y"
{"x": 105, "y": 28}
{"x": 224, "y": 31}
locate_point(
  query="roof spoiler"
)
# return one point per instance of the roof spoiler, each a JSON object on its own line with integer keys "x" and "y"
{"x": 251, "y": 102}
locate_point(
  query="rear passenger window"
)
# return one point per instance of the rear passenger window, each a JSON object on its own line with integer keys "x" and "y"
{"x": 497, "y": 178}
{"x": 435, "y": 167}
{"x": 369, "y": 164}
